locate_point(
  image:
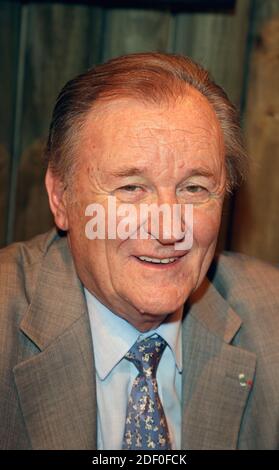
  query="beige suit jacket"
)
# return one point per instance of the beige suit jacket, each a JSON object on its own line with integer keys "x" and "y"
{"x": 47, "y": 374}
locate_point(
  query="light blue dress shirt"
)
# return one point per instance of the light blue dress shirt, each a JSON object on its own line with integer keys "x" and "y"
{"x": 112, "y": 339}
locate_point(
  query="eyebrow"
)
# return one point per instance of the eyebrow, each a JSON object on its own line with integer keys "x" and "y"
{"x": 136, "y": 171}
{"x": 202, "y": 171}
{"x": 130, "y": 171}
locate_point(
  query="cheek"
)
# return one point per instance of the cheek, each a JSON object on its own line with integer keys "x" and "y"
{"x": 206, "y": 225}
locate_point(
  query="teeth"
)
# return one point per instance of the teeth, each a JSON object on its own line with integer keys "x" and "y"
{"x": 157, "y": 260}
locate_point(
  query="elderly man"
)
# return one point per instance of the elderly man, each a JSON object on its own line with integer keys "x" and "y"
{"x": 139, "y": 341}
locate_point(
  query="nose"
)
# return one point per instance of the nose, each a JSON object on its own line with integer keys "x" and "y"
{"x": 166, "y": 220}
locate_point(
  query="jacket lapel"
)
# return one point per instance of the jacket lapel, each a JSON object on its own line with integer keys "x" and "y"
{"x": 56, "y": 387}
{"x": 214, "y": 391}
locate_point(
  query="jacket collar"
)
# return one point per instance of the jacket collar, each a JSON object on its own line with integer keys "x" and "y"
{"x": 58, "y": 300}
{"x": 213, "y": 312}
{"x": 217, "y": 375}
{"x": 56, "y": 387}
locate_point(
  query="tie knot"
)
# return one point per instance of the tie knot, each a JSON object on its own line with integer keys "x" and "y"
{"x": 146, "y": 355}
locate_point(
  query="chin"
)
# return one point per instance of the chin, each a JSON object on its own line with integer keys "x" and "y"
{"x": 159, "y": 307}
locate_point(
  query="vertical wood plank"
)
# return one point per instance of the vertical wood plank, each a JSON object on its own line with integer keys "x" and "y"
{"x": 136, "y": 30}
{"x": 218, "y": 42}
{"x": 18, "y": 112}
{"x": 9, "y": 23}
{"x": 256, "y": 218}
{"x": 62, "y": 41}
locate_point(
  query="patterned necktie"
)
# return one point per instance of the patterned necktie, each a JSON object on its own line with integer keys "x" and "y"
{"x": 146, "y": 426}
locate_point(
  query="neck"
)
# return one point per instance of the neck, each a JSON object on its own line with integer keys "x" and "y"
{"x": 147, "y": 322}
{"x": 142, "y": 321}
{"x": 144, "y": 325}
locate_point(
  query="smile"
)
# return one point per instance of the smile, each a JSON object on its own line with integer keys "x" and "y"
{"x": 158, "y": 260}
{"x": 160, "y": 263}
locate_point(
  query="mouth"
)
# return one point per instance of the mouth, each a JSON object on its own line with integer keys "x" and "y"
{"x": 160, "y": 263}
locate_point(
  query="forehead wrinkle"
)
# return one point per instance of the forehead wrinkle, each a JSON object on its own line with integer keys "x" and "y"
{"x": 140, "y": 141}
{"x": 168, "y": 137}
{"x": 151, "y": 132}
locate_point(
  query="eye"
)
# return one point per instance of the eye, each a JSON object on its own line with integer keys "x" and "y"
{"x": 194, "y": 188}
{"x": 194, "y": 193}
{"x": 130, "y": 192}
{"x": 130, "y": 188}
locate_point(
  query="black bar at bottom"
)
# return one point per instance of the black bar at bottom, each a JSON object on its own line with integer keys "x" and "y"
{"x": 128, "y": 459}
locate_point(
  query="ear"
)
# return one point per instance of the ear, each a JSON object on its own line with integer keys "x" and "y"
{"x": 57, "y": 200}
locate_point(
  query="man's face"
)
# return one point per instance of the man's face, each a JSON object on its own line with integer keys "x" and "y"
{"x": 178, "y": 151}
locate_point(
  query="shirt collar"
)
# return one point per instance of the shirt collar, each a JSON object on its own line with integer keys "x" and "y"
{"x": 113, "y": 336}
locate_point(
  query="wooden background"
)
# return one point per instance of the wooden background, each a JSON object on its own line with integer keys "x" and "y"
{"x": 42, "y": 45}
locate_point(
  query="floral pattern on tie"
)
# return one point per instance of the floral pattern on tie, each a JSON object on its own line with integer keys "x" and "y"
{"x": 146, "y": 426}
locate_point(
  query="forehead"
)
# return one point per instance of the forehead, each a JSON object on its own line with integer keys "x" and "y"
{"x": 126, "y": 129}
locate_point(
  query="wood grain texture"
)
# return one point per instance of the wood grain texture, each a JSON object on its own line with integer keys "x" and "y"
{"x": 218, "y": 42}
{"x": 136, "y": 30}
{"x": 4, "y": 184}
{"x": 256, "y": 223}
{"x": 9, "y": 15}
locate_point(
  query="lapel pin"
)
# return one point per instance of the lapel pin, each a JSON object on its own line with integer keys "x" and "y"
{"x": 243, "y": 382}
